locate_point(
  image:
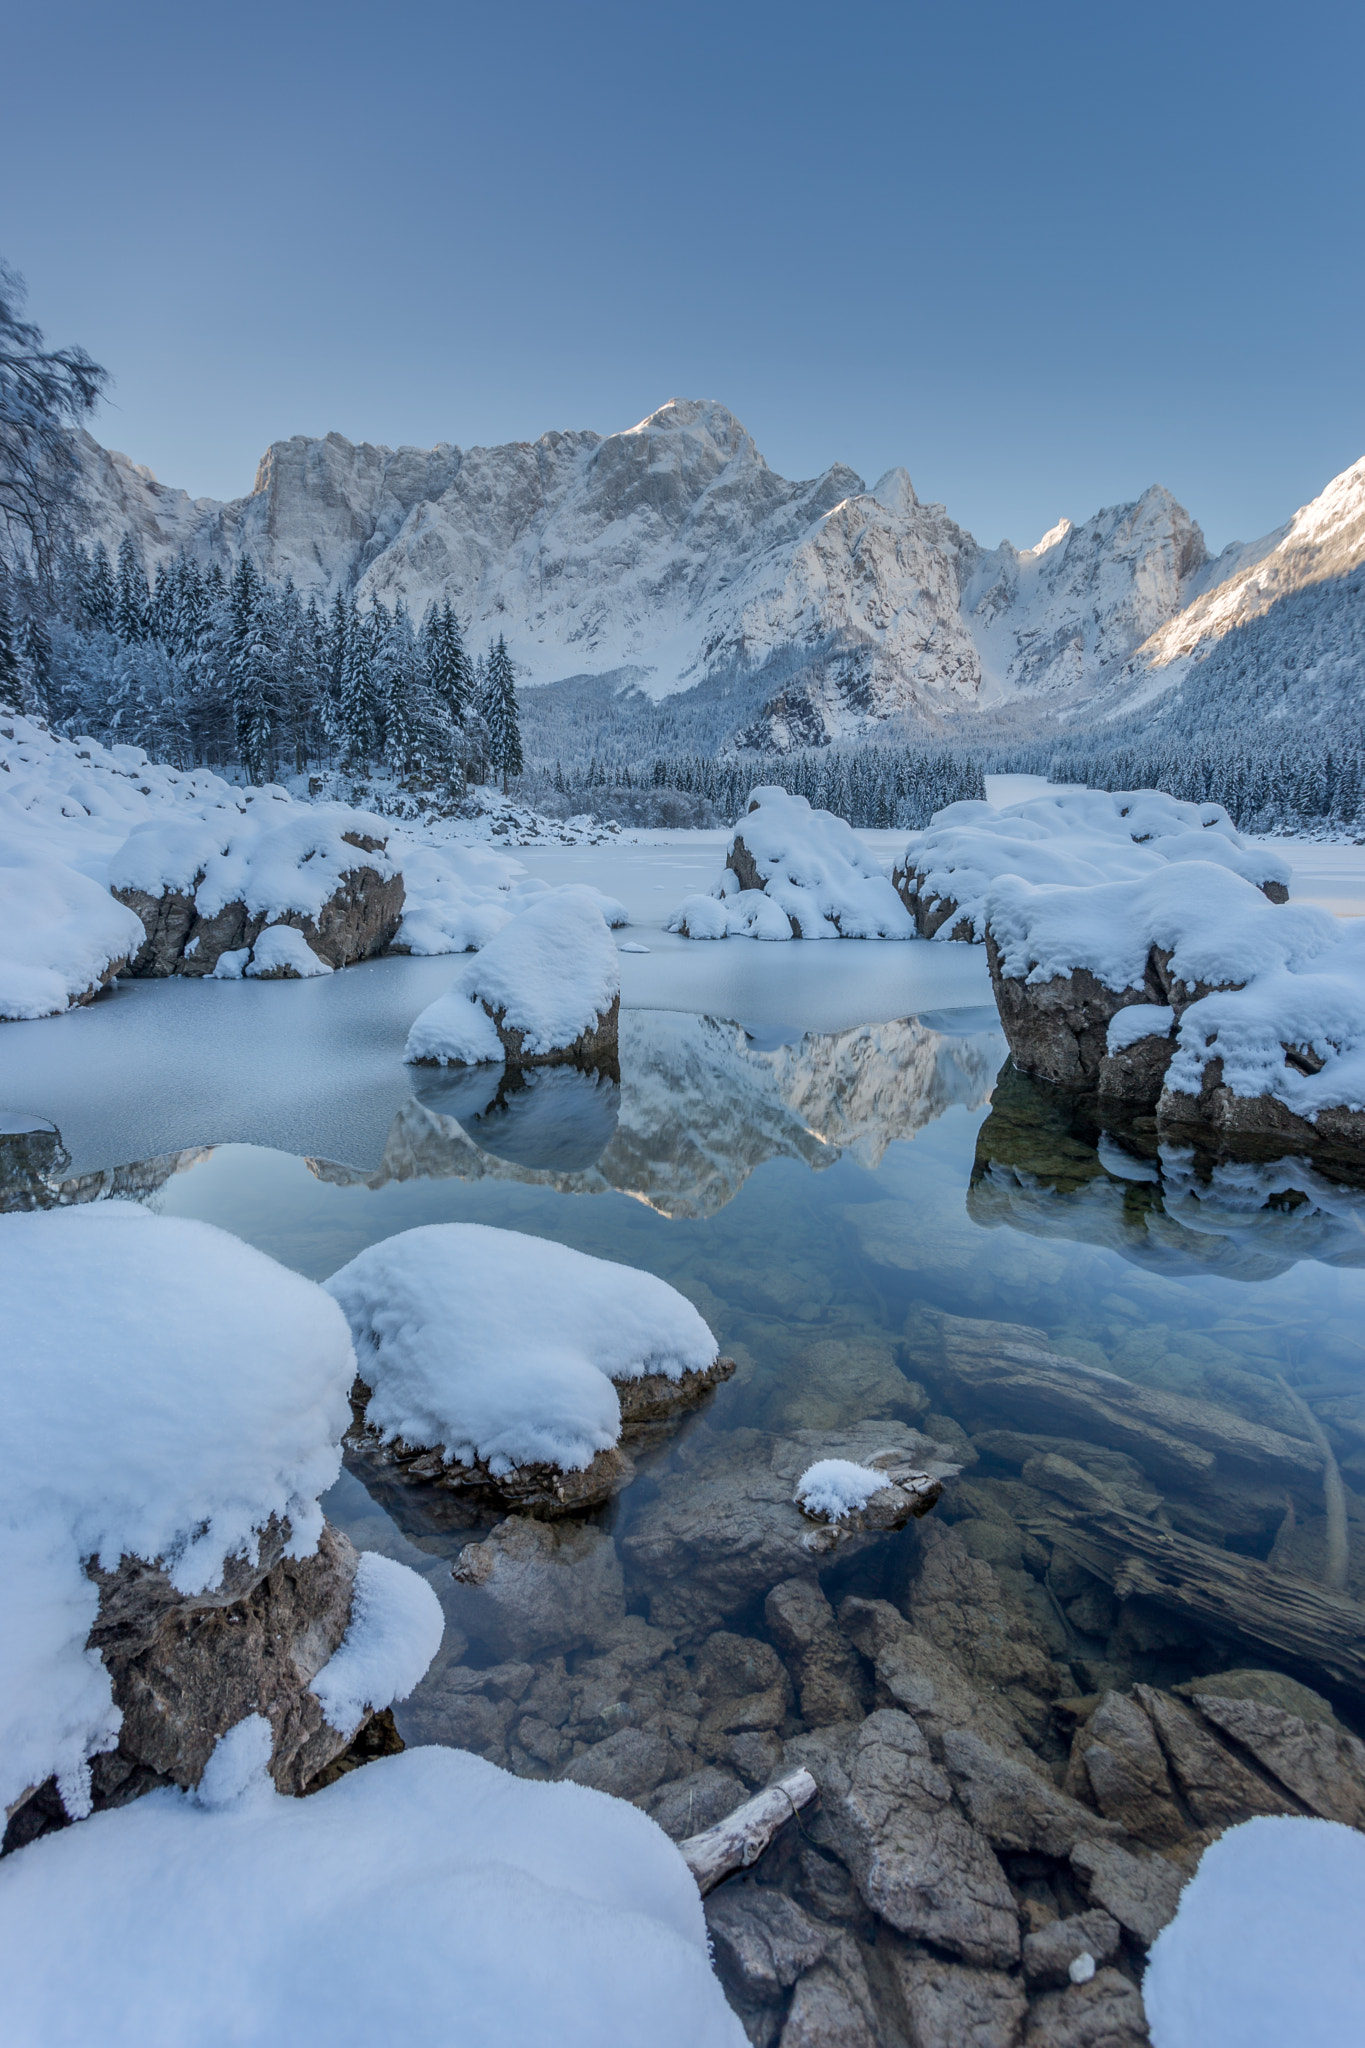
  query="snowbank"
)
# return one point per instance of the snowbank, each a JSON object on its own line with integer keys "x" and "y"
{"x": 834, "y": 1488}
{"x": 1074, "y": 837}
{"x": 164, "y": 1391}
{"x": 426, "y": 1899}
{"x": 544, "y": 987}
{"x": 395, "y": 1630}
{"x": 121, "y": 820}
{"x": 1265, "y": 1947}
{"x": 282, "y": 950}
{"x": 503, "y": 1348}
{"x": 792, "y": 872}
{"x": 62, "y": 936}
{"x": 273, "y": 857}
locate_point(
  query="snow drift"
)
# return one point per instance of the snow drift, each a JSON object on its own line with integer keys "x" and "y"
{"x": 504, "y": 1348}
{"x": 794, "y": 872}
{"x": 547, "y": 987}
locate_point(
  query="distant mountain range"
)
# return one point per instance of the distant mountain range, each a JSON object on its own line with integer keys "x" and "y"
{"x": 665, "y": 574}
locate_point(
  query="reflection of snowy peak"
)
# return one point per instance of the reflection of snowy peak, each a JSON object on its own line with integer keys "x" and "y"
{"x": 701, "y": 1108}
{"x": 670, "y": 555}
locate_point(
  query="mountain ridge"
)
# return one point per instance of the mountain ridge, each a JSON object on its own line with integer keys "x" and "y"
{"x": 671, "y": 556}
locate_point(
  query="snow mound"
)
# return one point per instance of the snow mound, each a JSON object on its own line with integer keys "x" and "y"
{"x": 1285, "y": 1007}
{"x": 395, "y": 1630}
{"x": 788, "y": 865}
{"x": 275, "y": 857}
{"x": 283, "y": 950}
{"x": 427, "y": 1898}
{"x": 164, "y": 1390}
{"x": 502, "y": 1347}
{"x": 1075, "y": 837}
{"x": 834, "y": 1488}
{"x": 60, "y": 933}
{"x": 550, "y": 974}
{"x": 1265, "y": 1946}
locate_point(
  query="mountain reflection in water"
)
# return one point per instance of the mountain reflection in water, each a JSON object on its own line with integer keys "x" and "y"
{"x": 700, "y": 1107}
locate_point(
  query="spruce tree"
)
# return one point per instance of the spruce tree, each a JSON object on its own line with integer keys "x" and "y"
{"x": 360, "y": 719}
{"x": 132, "y": 601}
{"x": 11, "y": 676}
{"x": 500, "y": 713}
{"x": 100, "y": 595}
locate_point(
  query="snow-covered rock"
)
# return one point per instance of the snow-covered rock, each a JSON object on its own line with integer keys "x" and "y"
{"x": 427, "y": 1898}
{"x": 62, "y": 937}
{"x": 173, "y": 1405}
{"x": 1265, "y": 1946}
{"x": 793, "y": 872}
{"x": 502, "y": 1352}
{"x": 202, "y": 889}
{"x": 1073, "y": 836}
{"x": 545, "y": 988}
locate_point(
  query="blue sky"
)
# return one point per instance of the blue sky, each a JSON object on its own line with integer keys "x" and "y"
{"x": 1043, "y": 256}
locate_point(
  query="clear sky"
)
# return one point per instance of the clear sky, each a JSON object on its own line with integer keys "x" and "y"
{"x": 1041, "y": 255}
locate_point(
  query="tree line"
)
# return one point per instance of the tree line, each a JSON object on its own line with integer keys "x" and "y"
{"x": 199, "y": 667}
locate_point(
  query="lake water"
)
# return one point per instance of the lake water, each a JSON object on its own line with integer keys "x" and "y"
{"x": 827, "y": 1198}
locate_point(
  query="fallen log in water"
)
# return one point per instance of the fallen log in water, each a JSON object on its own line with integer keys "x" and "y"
{"x": 740, "y": 1839}
{"x": 1275, "y": 1609}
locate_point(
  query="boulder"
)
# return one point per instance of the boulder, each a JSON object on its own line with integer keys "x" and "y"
{"x": 534, "y": 1585}
{"x": 1107, "y": 2012}
{"x": 950, "y": 2004}
{"x": 185, "y": 1668}
{"x": 355, "y": 921}
{"x": 1050, "y": 1953}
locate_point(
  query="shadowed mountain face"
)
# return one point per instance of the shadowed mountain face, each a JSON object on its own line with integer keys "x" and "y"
{"x": 670, "y": 559}
{"x": 1045, "y": 1166}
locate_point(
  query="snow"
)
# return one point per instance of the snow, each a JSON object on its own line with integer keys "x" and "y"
{"x": 819, "y": 881}
{"x": 1076, "y": 836}
{"x": 834, "y": 1488}
{"x": 395, "y": 1630}
{"x": 282, "y": 949}
{"x": 166, "y": 1391}
{"x": 1265, "y": 1947}
{"x": 276, "y": 856}
{"x": 550, "y": 973}
{"x": 1140, "y": 1020}
{"x": 59, "y": 931}
{"x": 503, "y": 1347}
{"x": 427, "y": 1898}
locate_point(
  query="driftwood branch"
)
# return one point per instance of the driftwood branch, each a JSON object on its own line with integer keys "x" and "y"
{"x": 1235, "y": 1594}
{"x": 740, "y": 1839}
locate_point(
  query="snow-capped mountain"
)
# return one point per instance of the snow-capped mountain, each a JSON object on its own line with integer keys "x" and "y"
{"x": 669, "y": 556}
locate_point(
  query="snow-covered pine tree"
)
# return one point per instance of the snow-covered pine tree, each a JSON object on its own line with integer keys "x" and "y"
{"x": 500, "y": 713}
{"x": 11, "y": 675}
{"x": 35, "y": 654}
{"x": 396, "y": 678}
{"x": 132, "y": 600}
{"x": 100, "y": 595}
{"x": 360, "y": 708}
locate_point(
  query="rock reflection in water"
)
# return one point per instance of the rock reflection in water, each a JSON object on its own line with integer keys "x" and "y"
{"x": 701, "y": 1106}
{"x": 553, "y": 1119}
{"x": 33, "y": 1162}
{"x": 1045, "y": 1166}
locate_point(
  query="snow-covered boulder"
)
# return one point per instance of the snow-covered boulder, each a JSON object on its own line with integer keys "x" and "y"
{"x": 1265, "y": 1947}
{"x": 1076, "y": 837}
{"x": 1187, "y": 992}
{"x": 795, "y": 873}
{"x": 429, "y": 1898}
{"x": 502, "y": 1363}
{"x": 203, "y": 887}
{"x": 545, "y": 988}
{"x": 62, "y": 937}
{"x": 171, "y": 1409}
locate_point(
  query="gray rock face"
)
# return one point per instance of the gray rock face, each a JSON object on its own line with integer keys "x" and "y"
{"x": 539, "y": 1585}
{"x": 1105, "y": 2013}
{"x": 187, "y": 1667}
{"x": 724, "y": 1526}
{"x": 358, "y": 921}
{"x": 626, "y": 1764}
{"x": 919, "y": 1866}
{"x": 1049, "y": 1954}
{"x": 950, "y": 2005}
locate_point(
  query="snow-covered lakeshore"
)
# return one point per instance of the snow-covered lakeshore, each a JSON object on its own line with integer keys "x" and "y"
{"x": 996, "y": 1687}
